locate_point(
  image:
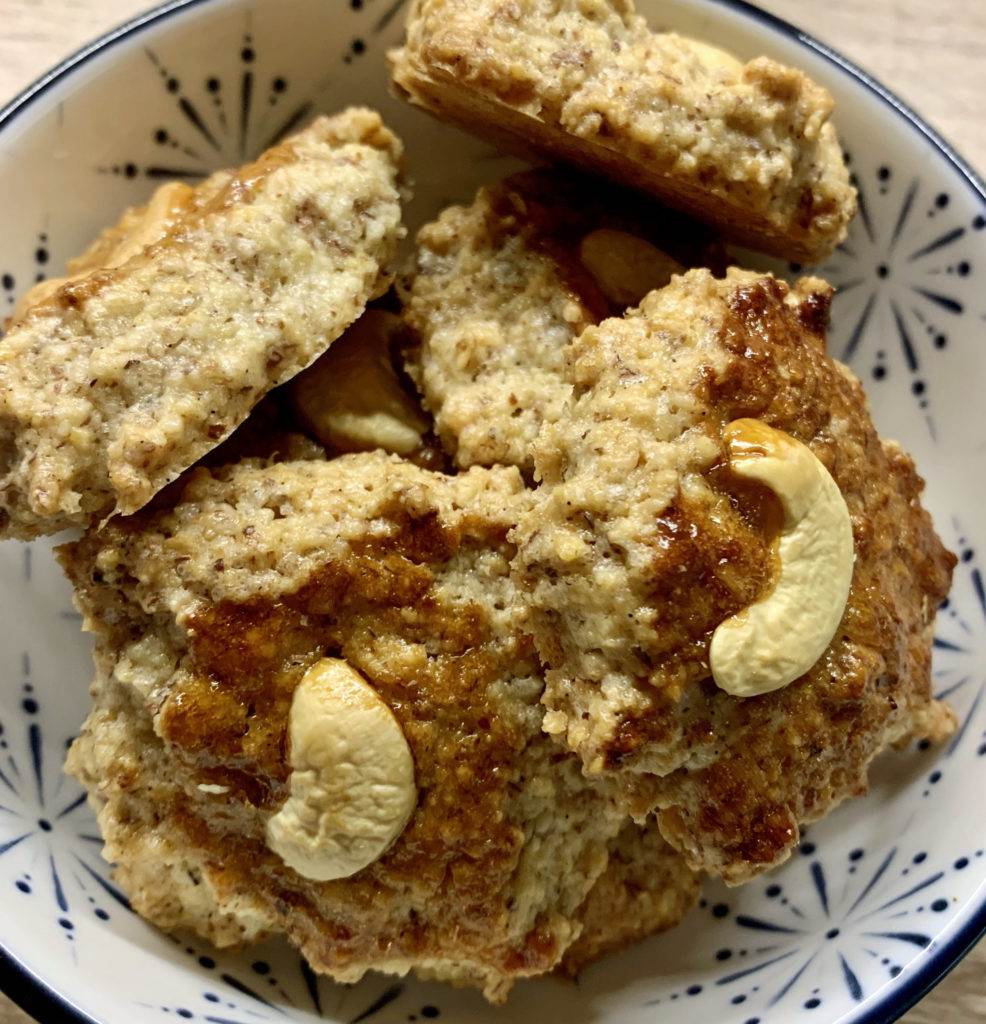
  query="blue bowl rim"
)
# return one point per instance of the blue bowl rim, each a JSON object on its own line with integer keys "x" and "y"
{"x": 31, "y": 993}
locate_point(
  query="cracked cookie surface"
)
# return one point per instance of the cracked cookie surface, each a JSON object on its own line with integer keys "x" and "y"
{"x": 639, "y": 543}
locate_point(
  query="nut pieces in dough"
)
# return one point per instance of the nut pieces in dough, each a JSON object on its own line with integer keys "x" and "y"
{"x": 352, "y": 784}
{"x": 774, "y": 641}
{"x": 123, "y": 379}
{"x": 747, "y": 147}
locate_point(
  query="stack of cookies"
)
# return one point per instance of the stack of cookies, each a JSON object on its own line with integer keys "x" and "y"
{"x": 457, "y": 612}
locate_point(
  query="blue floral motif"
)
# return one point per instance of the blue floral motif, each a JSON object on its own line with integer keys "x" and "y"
{"x": 222, "y": 118}
{"x": 42, "y": 809}
{"x": 959, "y": 668}
{"x": 910, "y": 256}
{"x": 232, "y": 1000}
{"x": 858, "y": 916}
{"x": 841, "y": 919}
{"x": 257, "y": 991}
{"x": 11, "y": 287}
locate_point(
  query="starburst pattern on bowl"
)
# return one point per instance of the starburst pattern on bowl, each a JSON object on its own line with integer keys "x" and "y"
{"x": 44, "y": 812}
{"x": 911, "y": 258}
{"x": 221, "y": 119}
{"x": 839, "y": 930}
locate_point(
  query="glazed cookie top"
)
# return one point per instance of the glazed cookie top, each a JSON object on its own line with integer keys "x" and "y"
{"x": 316, "y": 684}
{"x": 646, "y": 539}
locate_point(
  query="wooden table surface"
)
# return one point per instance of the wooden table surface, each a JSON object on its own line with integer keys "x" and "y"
{"x": 931, "y": 52}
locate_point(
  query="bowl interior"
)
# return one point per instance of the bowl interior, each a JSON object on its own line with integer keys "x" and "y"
{"x": 881, "y": 895}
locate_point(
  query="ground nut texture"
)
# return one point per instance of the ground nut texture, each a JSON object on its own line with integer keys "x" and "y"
{"x": 207, "y": 615}
{"x": 639, "y": 542}
{"x": 498, "y": 289}
{"x": 748, "y": 147}
{"x": 131, "y": 371}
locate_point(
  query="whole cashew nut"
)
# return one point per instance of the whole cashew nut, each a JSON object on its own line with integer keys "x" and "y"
{"x": 351, "y": 399}
{"x": 352, "y": 784}
{"x": 626, "y": 267}
{"x": 777, "y": 639}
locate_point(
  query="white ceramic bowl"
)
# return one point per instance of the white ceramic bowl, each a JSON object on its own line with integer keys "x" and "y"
{"x": 883, "y": 897}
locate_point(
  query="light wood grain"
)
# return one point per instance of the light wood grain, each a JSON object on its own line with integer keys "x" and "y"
{"x": 931, "y": 52}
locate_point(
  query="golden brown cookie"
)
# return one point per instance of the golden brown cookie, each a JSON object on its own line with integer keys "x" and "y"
{"x": 749, "y": 148}
{"x": 179, "y": 320}
{"x": 208, "y": 618}
{"x": 642, "y": 540}
{"x": 498, "y": 289}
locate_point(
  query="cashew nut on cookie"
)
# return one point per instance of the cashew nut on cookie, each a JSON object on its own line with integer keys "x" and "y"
{"x": 370, "y": 409}
{"x": 777, "y": 639}
{"x": 352, "y": 784}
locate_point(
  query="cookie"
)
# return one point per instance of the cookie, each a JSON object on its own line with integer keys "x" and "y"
{"x": 178, "y": 321}
{"x": 748, "y": 147}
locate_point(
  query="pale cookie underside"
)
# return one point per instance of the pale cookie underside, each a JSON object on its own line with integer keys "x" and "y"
{"x": 121, "y": 379}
